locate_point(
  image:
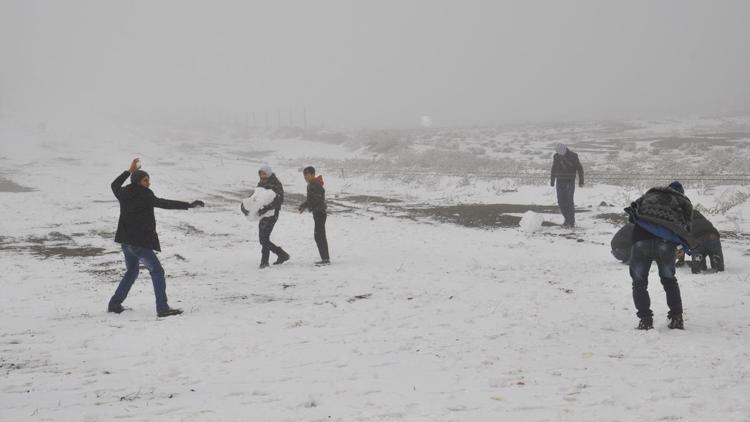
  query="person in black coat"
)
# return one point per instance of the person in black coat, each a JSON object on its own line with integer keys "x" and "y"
{"x": 136, "y": 232}
{"x": 565, "y": 166}
{"x": 316, "y": 203}
{"x": 268, "y": 180}
{"x": 622, "y": 242}
{"x": 709, "y": 247}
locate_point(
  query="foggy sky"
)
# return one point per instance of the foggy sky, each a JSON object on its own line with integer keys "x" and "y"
{"x": 377, "y": 63}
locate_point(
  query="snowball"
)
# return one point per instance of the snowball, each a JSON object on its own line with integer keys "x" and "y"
{"x": 531, "y": 222}
{"x": 259, "y": 199}
{"x": 505, "y": 185}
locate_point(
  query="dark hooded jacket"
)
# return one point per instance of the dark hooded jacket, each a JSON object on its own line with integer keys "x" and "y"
{"x": 137, "y": 224}
{"x": 273, "y": 183}
{"x": 565, "y": 167}
{"x": 316, "y": 196}
{"x": 667, "y": 208}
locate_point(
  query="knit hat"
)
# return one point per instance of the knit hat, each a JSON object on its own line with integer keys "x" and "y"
{"x": 561, "y": 148}
{"x": 677, "y": 186}
{"x": 137, "y": 176}
{"x": 265, "y": 168}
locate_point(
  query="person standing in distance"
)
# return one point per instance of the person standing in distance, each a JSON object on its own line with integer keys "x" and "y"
{"x": 565, "y": 165}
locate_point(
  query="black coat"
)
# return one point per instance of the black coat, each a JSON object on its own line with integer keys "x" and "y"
{"x": 623, "y": 238}
{"x": 316, "y": 197}
{"x": 137, "y": 224}
{"x": 565, "y": 167}
{"x": 273, "y": 183}
{"x": 702, "y": 228}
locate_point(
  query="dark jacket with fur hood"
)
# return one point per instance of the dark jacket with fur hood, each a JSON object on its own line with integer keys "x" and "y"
{"x": 665, "y": 207}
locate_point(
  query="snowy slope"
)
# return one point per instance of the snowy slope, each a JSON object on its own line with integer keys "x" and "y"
{"x": 416, "y": 320}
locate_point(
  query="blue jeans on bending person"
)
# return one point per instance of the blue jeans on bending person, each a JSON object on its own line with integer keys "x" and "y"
{"x": 642, "y": 255}
{"x": 134, "y": 255}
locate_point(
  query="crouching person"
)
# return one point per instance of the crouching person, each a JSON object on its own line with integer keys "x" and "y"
{"x": 136, "y": 232}
{"x": 622, "y": 242}
{"x": 710, "y": 245}
{"x": 316, "y": 203}
{"x": 662, "y": 218}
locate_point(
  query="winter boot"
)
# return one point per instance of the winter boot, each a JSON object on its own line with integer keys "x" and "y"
{"x": 717, "y": 262}
{"x": 115, "y": 308}
{"x": 646, "y": 323}
{"x": 263, "y": 265}
{"x": 283, "y": 257}
{"x": 323, "y": 263}
{"x": 675, "y": 321}
{"x": 168, "y": 312}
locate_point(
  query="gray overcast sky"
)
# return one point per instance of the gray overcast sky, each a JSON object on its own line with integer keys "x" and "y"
{"x": 378, "y": 63}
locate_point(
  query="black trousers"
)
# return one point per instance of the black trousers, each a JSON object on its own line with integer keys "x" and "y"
{"x": 711, "y": 249}
{"x": 320, "y": 234}
{"x": 265, "y": 227}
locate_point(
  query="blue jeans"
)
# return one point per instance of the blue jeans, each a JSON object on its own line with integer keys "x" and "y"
{"x": 642, "y": 255}
{"x": 566, "y": 188}
{"x": 133, "y": 256}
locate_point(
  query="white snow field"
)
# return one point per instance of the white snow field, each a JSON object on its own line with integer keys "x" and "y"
{"x": 417, "y": 319}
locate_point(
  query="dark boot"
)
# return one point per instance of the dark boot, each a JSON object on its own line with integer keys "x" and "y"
{"x": 675, "y": 322}
{"x": 115, "y": 308}
{"x": 323, "y": 263}
{"x": 283, "y": 257}
{"x": 717, "y": 262}
{"x": 646, "y": 323}
{"x": 168, "y": 312}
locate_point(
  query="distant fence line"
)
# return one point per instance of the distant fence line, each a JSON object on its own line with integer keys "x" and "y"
{"x": 588, "y": 176}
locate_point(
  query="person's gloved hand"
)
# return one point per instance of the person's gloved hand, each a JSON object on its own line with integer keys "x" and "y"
{"x": 244, "y": 211}
{"x": 196, "y": 204}
{"x": 552, "y": 183}
{"x": 580, "y": 184}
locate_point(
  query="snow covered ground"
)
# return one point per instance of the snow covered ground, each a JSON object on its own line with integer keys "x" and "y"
{"x": 416, "y": 320}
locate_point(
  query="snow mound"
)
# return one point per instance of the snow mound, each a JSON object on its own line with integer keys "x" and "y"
{"x": 259, "y": 199}
{"x": 505, "y": 185}
{"x": 531, "y": 222}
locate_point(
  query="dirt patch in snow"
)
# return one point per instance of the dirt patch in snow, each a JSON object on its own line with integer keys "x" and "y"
{"x": 7, "y": 185}
{"x": 486, "y": 215}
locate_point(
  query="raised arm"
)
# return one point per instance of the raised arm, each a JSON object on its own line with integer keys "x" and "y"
{"x": 117, "y": 184}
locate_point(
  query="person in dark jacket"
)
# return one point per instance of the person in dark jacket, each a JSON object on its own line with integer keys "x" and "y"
{"x": 136, "y": 232}
{"x": 565, "y": 166}
{"x": 316, "y": 203}
{"x": 709, "y": 245}
{"x": 662, "y": 218}
{"x": 622, "y": 242}
{"x": 268, "y": 180}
